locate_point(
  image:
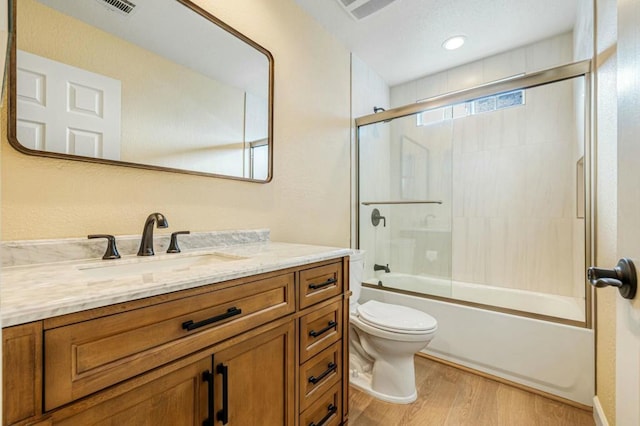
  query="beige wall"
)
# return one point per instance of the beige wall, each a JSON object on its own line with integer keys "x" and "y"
{"x": 606, "y": 137}
{"x": 307, "y": 201}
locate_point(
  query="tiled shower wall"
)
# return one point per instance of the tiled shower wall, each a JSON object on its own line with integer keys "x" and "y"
{"x": 514, "y": 194}
{"x": 511, "y": 204}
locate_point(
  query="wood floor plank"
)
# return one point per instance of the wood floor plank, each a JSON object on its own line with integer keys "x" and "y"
{"x": 448, "y": 396}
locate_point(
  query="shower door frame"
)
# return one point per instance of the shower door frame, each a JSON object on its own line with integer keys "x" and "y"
{"x": 518, "y": 82}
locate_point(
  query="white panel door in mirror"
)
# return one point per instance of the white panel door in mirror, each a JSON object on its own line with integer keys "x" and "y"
{"x": 67, "y": 110}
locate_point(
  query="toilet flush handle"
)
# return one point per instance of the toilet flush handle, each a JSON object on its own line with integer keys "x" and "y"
{"x": 622, "y": 276}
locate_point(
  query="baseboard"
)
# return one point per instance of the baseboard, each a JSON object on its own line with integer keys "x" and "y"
{"x": 598, "y": 413}
{"x": 508, "y": 382}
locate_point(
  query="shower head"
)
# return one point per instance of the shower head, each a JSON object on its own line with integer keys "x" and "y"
{"x": 377, "y": 109}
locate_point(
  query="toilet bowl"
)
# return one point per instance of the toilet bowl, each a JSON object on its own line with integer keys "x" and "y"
{"x": 383, "y": 339}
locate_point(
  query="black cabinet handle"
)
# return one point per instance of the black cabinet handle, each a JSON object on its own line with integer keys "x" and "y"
{"x": 331, "y": 410}
{"x": 330, "y": 369}
{"x": 223, "y": 415}
{"x": 324, "y": 284}
{"x": 231, "y": 312}
{"x": 207, "y": 376}
{"x": 329, "y": 326}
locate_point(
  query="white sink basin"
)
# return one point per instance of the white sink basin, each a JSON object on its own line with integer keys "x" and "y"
{"x": 160, "y": 264}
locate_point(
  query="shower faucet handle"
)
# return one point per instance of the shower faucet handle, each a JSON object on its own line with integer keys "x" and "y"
{"x": 376, "y": 217}
{"x": 622, "y": 276}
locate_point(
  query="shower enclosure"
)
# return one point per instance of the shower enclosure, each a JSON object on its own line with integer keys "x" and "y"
{"x": 481, "y": 197}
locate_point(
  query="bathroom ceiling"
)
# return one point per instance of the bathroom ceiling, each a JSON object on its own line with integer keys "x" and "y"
{"x": 403, "y": 41}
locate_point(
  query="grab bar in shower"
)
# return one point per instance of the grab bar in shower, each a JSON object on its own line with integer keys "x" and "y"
{"x": 373, "y": 203}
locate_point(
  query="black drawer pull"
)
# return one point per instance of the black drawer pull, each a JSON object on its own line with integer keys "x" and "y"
{"x": 324, "y": 284}
{"x": 207, "y": 376}
{"x": 223, "y": 415}
{"x": 329, "y": 326}
{"x": 231, "y": 312}
{"x": 331, "y": 410}
{"x": 330, "y": 369}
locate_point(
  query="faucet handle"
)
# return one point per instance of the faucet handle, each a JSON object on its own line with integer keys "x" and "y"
{"x": 112, "y": 251}
{"x": 173, "y": 244}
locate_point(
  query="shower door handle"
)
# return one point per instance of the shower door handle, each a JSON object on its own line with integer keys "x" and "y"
{"x": 622, "y": 276}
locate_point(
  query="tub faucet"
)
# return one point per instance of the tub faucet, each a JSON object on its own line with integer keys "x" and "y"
{"x": 377, "y": 267}
{"x": 146, "y": 244}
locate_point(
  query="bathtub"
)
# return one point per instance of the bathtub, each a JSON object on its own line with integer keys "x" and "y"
{"x": 551, "y": 357}
{"x": 571, "y": 308}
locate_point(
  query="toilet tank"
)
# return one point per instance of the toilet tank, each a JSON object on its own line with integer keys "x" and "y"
{"x": 356, "y": 274}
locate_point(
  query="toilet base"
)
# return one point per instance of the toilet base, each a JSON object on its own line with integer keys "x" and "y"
{"x": 362, "y": 381}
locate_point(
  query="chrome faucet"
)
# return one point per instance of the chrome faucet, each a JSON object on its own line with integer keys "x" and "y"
{"x": 146, "y": 244}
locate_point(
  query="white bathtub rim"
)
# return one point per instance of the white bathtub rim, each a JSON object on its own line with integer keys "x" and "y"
{"x": 572, "y": 308}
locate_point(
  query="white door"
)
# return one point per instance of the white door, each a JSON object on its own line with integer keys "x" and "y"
{"x": 628, "y": 311}
{"x": 66, "y": 109}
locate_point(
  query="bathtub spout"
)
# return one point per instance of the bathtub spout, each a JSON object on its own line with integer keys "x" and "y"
{"x": 377, "y": 267}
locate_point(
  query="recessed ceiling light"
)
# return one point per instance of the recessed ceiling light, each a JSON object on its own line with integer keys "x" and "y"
{"x": 454, "y": 42}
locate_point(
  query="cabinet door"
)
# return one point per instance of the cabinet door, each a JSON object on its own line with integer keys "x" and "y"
{"x": 22, "y": 369}
{"x": 254, "y": 380}
{"x": 178, "y": 398}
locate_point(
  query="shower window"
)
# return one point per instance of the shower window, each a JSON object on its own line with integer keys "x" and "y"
{"x": 476, "y": 106}
{"x": 481, "y": 209}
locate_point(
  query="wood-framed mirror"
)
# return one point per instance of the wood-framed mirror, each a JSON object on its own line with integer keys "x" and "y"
{"x": 154, "y": 84}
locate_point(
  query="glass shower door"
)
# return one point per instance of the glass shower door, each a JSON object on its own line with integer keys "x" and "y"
{"x": 404, "y": 207}
{"x": 483, "y": 201}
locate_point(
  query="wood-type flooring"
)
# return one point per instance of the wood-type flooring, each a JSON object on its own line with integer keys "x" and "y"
{"x": 453, "y": 397}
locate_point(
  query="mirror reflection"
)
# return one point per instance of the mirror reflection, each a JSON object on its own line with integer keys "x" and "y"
{"x": 155, "y": 84}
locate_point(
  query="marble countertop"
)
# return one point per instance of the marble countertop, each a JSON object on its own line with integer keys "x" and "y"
{"x": 35, "y": 292}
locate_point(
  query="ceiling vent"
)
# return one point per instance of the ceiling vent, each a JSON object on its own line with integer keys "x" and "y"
{"x": 122, "y": 7}
{"x": 360, "y": 9}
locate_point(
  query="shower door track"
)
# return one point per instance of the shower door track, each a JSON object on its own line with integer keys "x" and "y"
{"x": 517, "y": 82}
{"x": 373, "y": 203}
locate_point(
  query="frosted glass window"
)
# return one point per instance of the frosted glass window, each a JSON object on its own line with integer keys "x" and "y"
{"x": 484, "y": 105}
{"x": 510, "y": 99}
{"x": 496, "y": 102}
{"x": 434, "y": 116}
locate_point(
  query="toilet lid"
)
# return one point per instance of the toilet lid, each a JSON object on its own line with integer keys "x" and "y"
{"x": 396, "y": 318}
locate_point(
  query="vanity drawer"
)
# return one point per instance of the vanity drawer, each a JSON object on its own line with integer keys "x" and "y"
{"x": 320, "y": 329}
{"x": 319, "y": 283}
{"x": 326, "y": 410}
{"x": 319, "y": 374}
{"x": 85, "y": 357}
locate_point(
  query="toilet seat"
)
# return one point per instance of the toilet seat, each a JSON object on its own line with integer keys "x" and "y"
{"x": 396, "y": 318}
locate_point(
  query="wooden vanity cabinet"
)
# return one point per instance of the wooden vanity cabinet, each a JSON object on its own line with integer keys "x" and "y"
{"x": 258, "y": 385}
{"x": 244, "y": 369}
{"x": 323, "y": 345}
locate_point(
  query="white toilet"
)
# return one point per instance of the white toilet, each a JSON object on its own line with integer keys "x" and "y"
{"x": 382, "y": 341}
